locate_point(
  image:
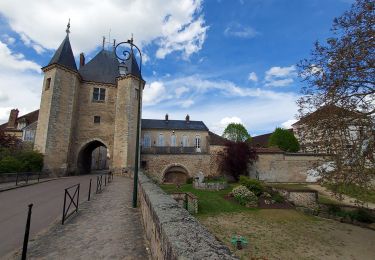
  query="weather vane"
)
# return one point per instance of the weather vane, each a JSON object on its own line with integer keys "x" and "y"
{"x": 68, "y": 27}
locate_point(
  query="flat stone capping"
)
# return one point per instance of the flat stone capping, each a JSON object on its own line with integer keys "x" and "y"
{"x": 172, "y": 232}
{"x": 210, "y": 185}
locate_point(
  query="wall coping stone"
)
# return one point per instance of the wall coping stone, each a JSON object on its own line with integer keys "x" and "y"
{"x": 182, "y": 236}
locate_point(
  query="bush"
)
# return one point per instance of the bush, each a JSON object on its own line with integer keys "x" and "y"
{"x": 253, "y": 185}
{"x": 32, "y": 161}
{"x": 244, "y": 196}
{"x": 189, "y": 180}
{"x": 10, "y": 164}
{"x": 278, "y": 198}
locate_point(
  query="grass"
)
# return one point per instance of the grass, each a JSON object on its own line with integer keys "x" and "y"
{"x": 354, "y": 191}
{"x": 323, "y": 199}
{"x": 209, "y": 202}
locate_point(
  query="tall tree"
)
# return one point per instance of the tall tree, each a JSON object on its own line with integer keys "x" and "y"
{"x": 236, "y": 159}
{"x": 284, "y": 139}
{"x": 340, "y": 77}
{"x": 236, "y": 133}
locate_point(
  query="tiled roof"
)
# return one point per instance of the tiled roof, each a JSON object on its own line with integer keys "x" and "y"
{"x": 214, "y": 139}
{"x": 102, "y": 68}
{"x": 30, "y": 118}
{"x": 173, "y": 124}
{"x": 64, "y": 55}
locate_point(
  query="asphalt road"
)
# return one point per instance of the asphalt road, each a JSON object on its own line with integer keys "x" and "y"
{"x": 48, "y": 200}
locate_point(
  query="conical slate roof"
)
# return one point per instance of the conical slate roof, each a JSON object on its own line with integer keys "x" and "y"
{"x": 132, "y": 66}
{"x": 102, "y": 68}
{"x": 64, "y": 55}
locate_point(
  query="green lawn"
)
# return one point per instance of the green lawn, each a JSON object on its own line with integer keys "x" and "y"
{"x": 354, "y": 191}
{"x": 209, "y": 202}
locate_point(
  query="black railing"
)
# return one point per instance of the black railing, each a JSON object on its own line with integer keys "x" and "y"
{"x": 171, "y": 150}
{"x": 73, "y": 199}
{"x": 27, "y": 232}
{"x": 25, "y": 177}
{"x": 99, "y": 182}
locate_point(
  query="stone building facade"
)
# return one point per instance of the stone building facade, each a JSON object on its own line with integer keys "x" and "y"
{"x": 88, "y": 120}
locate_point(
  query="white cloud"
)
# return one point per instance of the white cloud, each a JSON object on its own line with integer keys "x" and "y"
{"x": 21, "y": 83}
{"x": 288, "y": 124}
{"x": 239, "y": 30}
{"x": 280, "y": 76}
{"x": 253, "y": 76}
{"x": 174, "y": 25}
{"x": 181, "y": 90}
{"x": 187, "y": 103}
{"x": 154, "y": 93}
{"x": 13, "y": 61}
{"x": 8, "y": 39}
{"x": 227, "y": 120}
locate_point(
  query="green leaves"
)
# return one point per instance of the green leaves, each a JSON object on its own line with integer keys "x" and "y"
{"x": 236, "y": 133}
{"x": 284, "y": 139}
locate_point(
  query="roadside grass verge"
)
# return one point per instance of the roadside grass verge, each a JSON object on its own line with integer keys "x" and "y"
{"x": 354, "y": 191}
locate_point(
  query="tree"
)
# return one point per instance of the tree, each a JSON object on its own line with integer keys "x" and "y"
{"x": 340, "y": 77}
{"x": 236, "y": 133}
{"x": 236, "y": 159}
{"x": 284, "y": 139}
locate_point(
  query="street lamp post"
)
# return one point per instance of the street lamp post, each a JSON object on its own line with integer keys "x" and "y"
{"x": 123, "y": 71}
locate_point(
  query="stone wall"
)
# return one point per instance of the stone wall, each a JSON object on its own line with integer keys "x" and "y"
{"x": 301, "y": 198}
{"x": 284, "y": 167}
{"x": 186, "y": 200}
{"x": 158, "y": 164}
{"x": 172, "y": 232}
{"x": 209, "y": 185}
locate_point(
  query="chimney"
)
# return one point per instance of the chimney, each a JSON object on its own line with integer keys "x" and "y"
{"x": 166, "y": 118}
{"x": 81, "y": 60}
{"x": 187, "y": 118}
{"x": 13, "y": 118}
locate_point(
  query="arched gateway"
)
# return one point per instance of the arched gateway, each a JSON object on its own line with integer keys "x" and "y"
{"x": 91, "y": 101}
{"x": 176, "y": 174}
{"x": 92, "y": 156}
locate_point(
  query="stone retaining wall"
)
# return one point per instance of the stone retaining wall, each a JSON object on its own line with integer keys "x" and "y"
{"x": 301, "y": 198}
{"x": 210, "y": 185}
{"x": 285, "y": 167}
{"x": 172, "y": 232}
{"x": 186, "y": 200}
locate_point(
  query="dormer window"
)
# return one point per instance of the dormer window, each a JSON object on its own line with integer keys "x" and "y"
{"x": 98, "y": 95}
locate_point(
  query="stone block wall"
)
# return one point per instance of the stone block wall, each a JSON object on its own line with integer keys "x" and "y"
{"x": 301, "y": 198}
{"x": 172, "y": 232}
{"x": 284, "y": 167}
{"x": 210, "y": 186}
{"x": 157, "y": 164}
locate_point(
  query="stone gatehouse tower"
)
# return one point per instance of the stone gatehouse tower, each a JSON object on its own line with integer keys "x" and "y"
{"x": 85, "y": 108}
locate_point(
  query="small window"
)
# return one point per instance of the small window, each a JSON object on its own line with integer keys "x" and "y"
{"x": 98, "y": 95}
{"x": 97, "y": 119}
{"x": 161, "y": 140}
{"x": 173, "y": 140}
{"x": 197, "y": 141}
{"x": 136, "y": 94}
{"x": 185, "y": 141}
{"x": 147, "y": 141}
{"x": 48, "y": 84}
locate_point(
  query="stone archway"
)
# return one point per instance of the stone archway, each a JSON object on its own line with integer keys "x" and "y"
{"x": 175, "y": 174}
{"x": 94, "y": 148}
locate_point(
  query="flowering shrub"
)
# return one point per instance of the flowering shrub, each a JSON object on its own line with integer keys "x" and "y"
{"x": 244, "y": 196}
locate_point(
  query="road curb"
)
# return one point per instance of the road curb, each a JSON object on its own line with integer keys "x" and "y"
{"x": 26, "y": 185}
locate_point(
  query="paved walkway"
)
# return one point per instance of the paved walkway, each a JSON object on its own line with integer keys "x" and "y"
{"x": 107, "y": 227}
{"x": 345, "y": 199}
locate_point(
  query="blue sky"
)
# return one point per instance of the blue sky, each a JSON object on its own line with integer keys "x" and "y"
{"x": 218, "y": 61}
